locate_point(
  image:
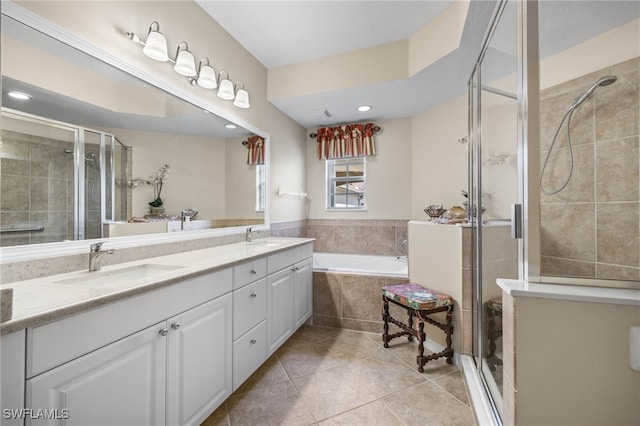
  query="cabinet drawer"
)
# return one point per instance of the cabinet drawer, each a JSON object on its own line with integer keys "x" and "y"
{"x": 287, "y": 258}
{"x": 249, "y": 307}
{"x": 249, "y": 352}
{"x": 249, "y": 272}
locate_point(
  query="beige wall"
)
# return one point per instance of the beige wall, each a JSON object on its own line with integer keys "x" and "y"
{"x": 197, "y": 176}
{"x": 103, "y": 23}
{"x": 572, "y": 363}
{"x": 388, "y": 192}
{"x": 438, "y": 161}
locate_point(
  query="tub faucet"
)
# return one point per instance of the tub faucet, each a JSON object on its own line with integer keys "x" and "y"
{"x": 248, "y": 237}
{"x": 95, "y": 256}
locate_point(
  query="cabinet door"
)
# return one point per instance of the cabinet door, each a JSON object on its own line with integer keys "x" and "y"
{"x": 249, "y": 353}
{"x": 302, "y": 292}
{"x": 279, "y": 304}
{"x": 12, "y": 364}
{"x": 121, "y": 384}
{"x": 199, "y": 361}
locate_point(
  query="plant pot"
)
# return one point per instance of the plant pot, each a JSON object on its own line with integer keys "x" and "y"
{"x": 156, "y": 212}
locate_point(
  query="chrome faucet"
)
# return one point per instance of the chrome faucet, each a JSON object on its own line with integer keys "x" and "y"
{"x": 95, "y": 256}
{"x": 248, "y": 237}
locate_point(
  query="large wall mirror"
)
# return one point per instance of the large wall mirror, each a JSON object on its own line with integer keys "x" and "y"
{"x": 78, "y": 154}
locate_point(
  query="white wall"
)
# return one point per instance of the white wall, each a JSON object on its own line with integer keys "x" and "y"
{"x": 388, "y": 180}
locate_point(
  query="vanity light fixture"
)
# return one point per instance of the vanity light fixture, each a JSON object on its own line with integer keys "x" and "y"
{"x": 20, "y": 96}
{"x": 226, "y": 87}
{"x": 205, "y": 76}
{"x": 156, "y": 45}
{"x": 185, "y": 63}
{"x": 365, "y": 108}
{"x": 242, "y": 97}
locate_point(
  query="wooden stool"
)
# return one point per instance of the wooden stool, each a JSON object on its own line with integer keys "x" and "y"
{"x": 419, "y": 303}
{"x": 494, "y": 317}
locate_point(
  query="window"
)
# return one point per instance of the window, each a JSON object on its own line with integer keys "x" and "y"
{"x": 346, "y": 184}
{"x": 261, "y": 183}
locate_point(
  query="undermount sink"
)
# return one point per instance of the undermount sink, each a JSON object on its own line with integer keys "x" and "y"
{"x": 116, "y": 276}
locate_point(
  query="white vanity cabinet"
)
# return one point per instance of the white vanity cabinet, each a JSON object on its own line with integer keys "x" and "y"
{"x": 164, "y": 356}
{"x": 289, "y": 294}
{"x": 175, "y": 371}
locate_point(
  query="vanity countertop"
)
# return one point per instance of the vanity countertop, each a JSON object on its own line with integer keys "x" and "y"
{"x": 45, "y": 299}
{"x": 577, "y": 293}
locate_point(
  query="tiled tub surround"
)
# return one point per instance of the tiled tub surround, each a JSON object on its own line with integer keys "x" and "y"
{"x": 349, "y": 236}
{"x": 351, "y": 301}
{"x": 37, "y": 188}
{"x": 592, "y": 228}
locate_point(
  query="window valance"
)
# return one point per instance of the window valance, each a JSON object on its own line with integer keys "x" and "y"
{"x": 255, "y": 150}
{"x": 345, "y": 141}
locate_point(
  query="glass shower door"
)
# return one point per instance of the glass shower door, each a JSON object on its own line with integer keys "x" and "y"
{"x": 493, "y": 190}
{"x": 93, "y": 185}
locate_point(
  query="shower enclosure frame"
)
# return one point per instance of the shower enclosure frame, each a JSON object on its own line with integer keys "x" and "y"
{"x": 526, "y": 210}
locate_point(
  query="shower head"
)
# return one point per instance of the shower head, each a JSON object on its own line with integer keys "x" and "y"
{"x": 90, "y": 158}
{"x": 603, "y": 81}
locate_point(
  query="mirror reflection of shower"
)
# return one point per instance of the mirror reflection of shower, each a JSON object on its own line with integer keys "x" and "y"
{"x": 89, "y": 159}
{"x": 601, "y": 82}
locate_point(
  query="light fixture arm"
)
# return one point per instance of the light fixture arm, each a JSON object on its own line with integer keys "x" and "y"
{"x": 220, "y": 75}
{"x": 186, "y": 47}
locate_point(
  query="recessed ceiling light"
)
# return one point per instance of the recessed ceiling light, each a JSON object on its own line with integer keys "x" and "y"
{"x": 19, "y": 95}
{"x": 364, "y": 108}
{"x": 230, "y": 126}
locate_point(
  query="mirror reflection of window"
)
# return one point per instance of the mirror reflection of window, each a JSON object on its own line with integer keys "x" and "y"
{"x": 261, "y": 190}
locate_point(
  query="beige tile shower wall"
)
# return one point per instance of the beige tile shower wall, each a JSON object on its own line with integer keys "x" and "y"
{"x": 592, "y": 227}
{"x": 37, "y": 188}
{"x": 374, "y": 237}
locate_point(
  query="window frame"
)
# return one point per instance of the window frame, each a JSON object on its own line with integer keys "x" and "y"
{"x": 261, "y": 188}
{"x": 330, "y": 179}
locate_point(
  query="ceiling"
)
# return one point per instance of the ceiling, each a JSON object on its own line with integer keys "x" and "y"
{"x": 280, "y": 33}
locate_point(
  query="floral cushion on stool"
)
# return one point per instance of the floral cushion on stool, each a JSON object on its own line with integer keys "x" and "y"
{"x": 417, "y": 297}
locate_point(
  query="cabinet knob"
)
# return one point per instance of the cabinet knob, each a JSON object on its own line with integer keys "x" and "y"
{"x": 294, "y": 269}
{"x": 253, "y": 272}
{"x": 163, "y": 331}
{"x": 175, "y": 325}
{"x": 253, "y": 341}
{"x": 253, "y": 295}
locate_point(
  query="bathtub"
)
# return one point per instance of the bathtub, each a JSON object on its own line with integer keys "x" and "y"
{"x": 383, "y": 266}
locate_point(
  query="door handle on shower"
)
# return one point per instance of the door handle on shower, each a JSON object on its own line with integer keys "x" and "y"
{"x": 516, "y": 221}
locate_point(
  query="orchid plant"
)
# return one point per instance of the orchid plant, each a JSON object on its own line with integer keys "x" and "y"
{"x": 157, "y": 181}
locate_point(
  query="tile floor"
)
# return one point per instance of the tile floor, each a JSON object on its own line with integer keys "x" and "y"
{"x": 329, "y": 376}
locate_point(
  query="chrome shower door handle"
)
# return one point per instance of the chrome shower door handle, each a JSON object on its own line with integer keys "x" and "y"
{"x": 516, "y": 221}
